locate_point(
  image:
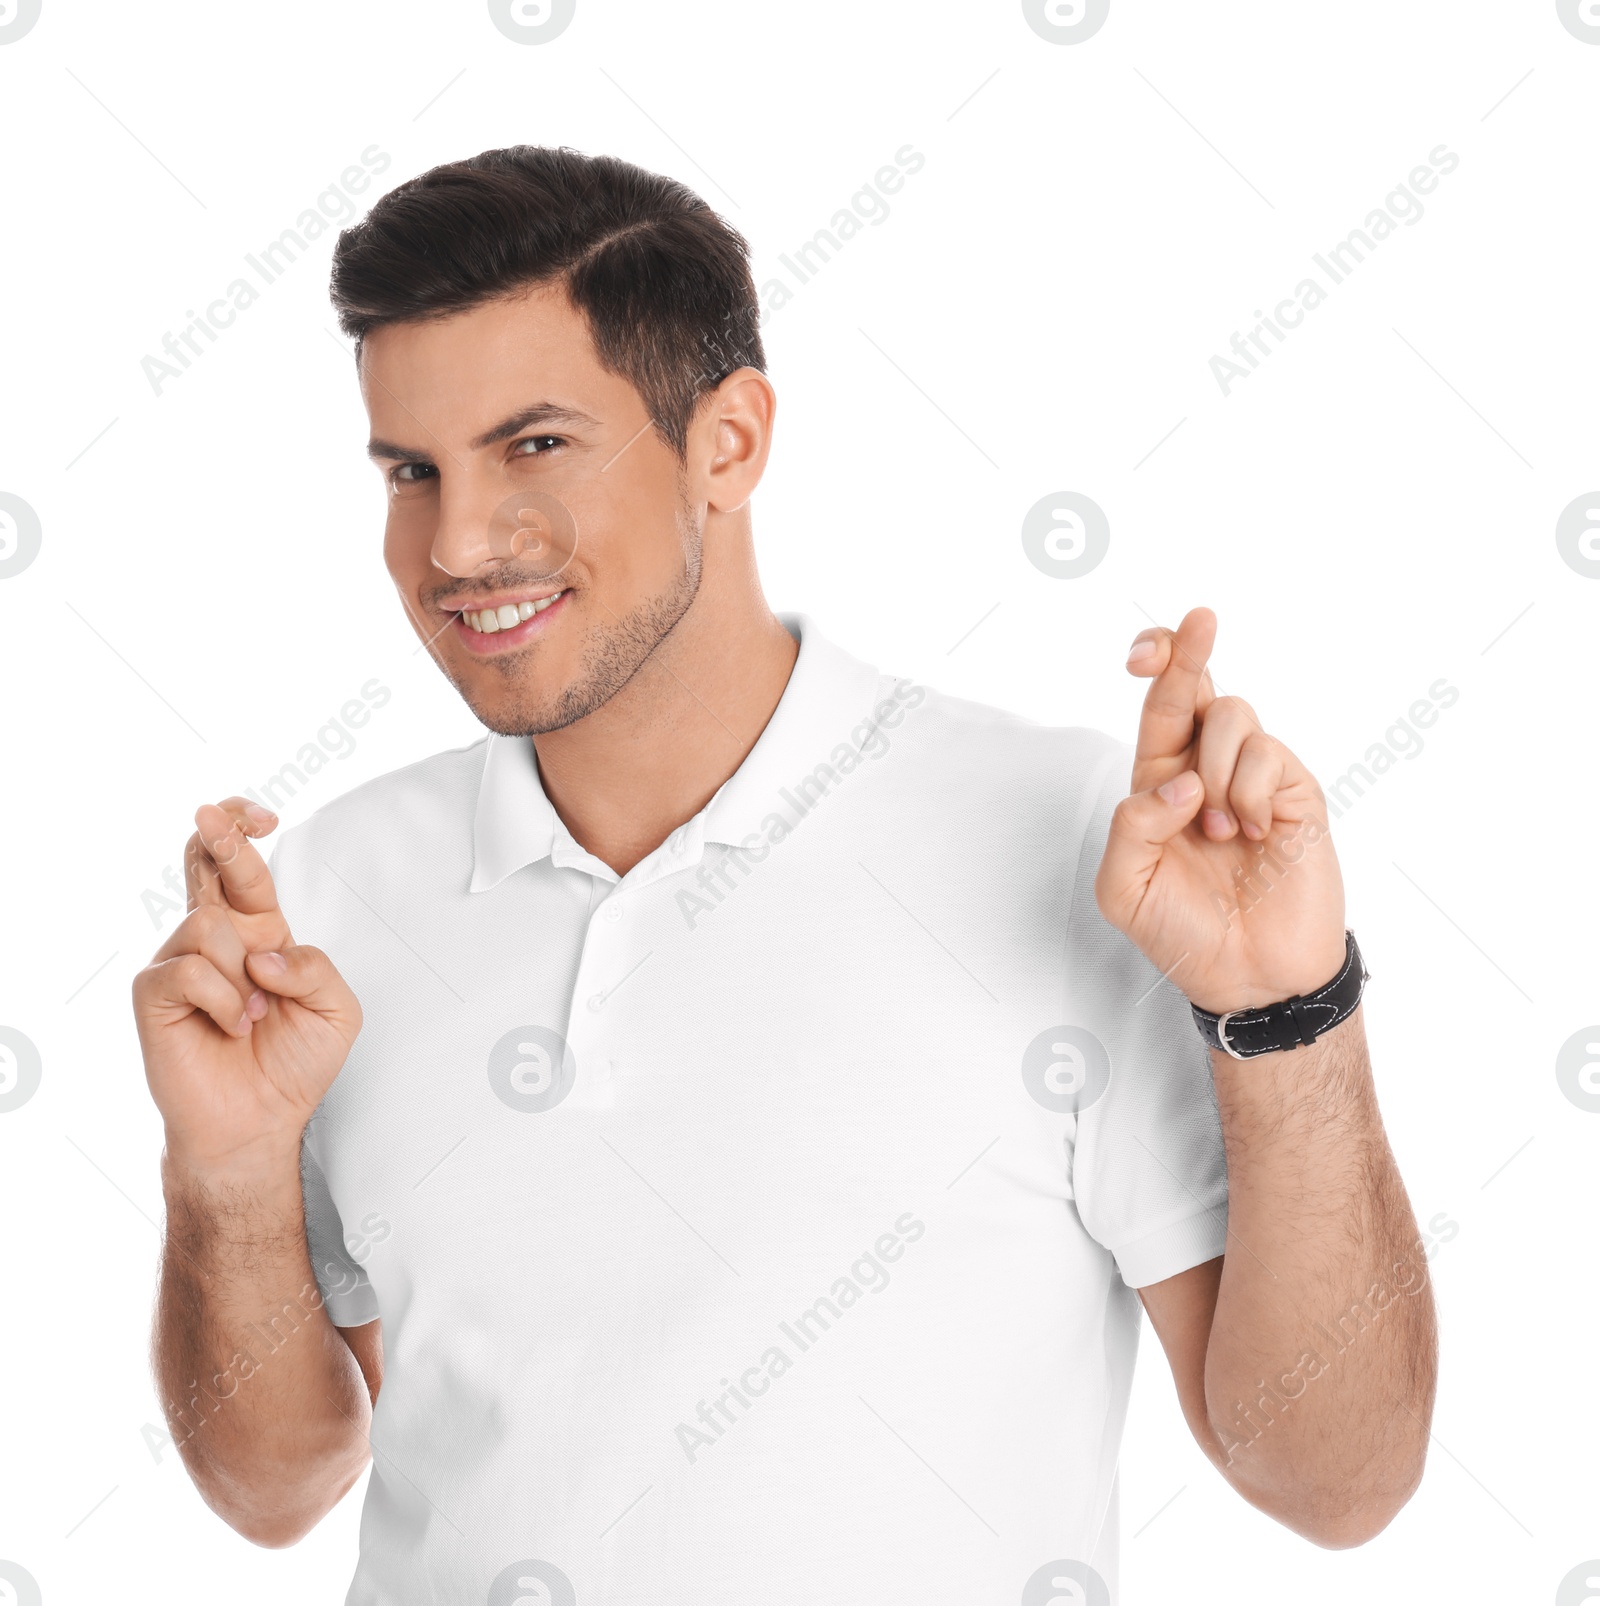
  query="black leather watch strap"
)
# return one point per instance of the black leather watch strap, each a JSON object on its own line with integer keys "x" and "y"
{"x": 1293, "y": 1023}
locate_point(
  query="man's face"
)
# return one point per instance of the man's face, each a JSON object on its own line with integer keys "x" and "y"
{"x": 519, "y": 472}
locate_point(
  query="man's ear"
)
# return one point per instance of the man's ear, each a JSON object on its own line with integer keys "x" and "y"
{"x": 729, "y": 439}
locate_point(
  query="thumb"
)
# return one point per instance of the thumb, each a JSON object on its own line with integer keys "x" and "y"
{"x": 308, "y": 976}
{"x": 1141, "y": 827}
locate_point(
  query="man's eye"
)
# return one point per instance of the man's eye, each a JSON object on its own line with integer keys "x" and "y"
{"x": 535, "y": 440}
{"x": 411, "y": 473}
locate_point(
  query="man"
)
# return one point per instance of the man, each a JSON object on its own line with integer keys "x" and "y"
{"x": 771, "y": 1080}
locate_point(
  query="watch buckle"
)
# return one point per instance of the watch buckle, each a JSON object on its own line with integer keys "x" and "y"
{"x": 1222, "y": 1033}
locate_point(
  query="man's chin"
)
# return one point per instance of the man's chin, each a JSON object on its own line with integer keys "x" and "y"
{"x": 519, "y": 719}
{"x": 520, "y": 711}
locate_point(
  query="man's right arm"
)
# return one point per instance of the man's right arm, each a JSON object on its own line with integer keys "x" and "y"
{"x": 266, "y": 1399}
{"x": 242, "y": 1033}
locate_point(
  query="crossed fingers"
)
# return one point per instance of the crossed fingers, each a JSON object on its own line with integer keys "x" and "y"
{"x": 1185, "y": 725}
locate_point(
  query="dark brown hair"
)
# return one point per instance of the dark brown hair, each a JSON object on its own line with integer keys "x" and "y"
{"x": 663, "y": 282}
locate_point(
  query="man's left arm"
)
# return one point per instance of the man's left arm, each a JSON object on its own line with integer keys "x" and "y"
{"x": 1305, "y": 1358}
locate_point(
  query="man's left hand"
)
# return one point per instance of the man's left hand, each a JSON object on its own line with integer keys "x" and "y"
{"x": 1219, "y": 865}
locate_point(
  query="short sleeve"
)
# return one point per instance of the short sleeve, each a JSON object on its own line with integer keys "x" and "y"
{"x": 1149, "y": 1172}
{"x": 346, "y": 1292}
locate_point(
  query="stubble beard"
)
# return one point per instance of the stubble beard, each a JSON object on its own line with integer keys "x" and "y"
{"x": 617, "y": 649}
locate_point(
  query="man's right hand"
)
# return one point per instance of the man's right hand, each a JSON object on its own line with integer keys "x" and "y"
{"x": 242, "y": 1031}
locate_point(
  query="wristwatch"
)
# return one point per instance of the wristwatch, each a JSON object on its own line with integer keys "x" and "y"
{"x": 1295, "y": 1022}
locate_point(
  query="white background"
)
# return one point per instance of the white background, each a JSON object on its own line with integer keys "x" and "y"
{"x": 1371, "y": 510}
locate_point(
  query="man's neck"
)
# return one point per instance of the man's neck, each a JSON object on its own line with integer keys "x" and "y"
{"x": 625, "y": 777}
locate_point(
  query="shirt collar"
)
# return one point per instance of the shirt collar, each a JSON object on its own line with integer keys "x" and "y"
{"x": 827, "y": 703}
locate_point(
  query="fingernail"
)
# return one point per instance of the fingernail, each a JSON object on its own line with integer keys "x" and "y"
{"x": 1141, "y": 649}
{"x": 243, "y": 1025}
{"x": 259, "y": 814}
{"x": 1253, "y": 831}
{"x": 255, "y": 1006}
{"x": 1180, "y": 789}
{"x": 273, "y": 964}
{"x": 1214, "y": 821}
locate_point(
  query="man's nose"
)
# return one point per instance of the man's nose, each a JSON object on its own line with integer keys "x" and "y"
{"x": 526, "y": 524}
{"x": 464, "y": 540}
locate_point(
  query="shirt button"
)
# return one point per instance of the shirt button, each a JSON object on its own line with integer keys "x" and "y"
{"x": 613, "y": 911}
{"x": 596, "y": 1003}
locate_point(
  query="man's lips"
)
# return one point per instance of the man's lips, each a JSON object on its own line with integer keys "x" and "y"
{"x": 528, "y": 623}
{"x": 498, "y": 599}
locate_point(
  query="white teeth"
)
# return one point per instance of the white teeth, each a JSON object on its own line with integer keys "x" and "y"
{"x": 490, "y": 620}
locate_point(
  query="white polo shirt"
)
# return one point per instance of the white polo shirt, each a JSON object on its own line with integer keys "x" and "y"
{"x": 760, "y": 1227}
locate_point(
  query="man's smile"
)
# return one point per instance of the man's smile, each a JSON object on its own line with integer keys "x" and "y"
{"x": 497, "y": 626}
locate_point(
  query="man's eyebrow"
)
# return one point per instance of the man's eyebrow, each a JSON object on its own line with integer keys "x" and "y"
{"x": 377, "y": 449}
{"x": 539, "y": 413}
{"x": 525, "y": 418}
